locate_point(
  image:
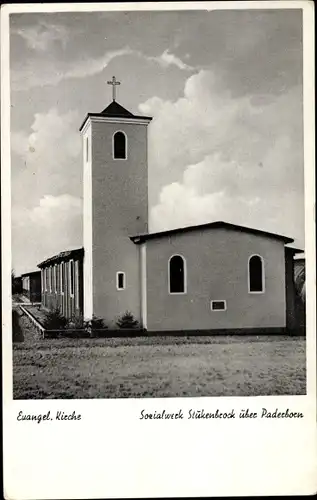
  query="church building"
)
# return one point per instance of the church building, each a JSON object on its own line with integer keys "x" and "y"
{"x": 216, "y": 276}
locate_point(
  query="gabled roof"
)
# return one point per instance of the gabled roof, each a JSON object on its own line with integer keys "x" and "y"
{"x": 115, "y": 110}
{"x": 140, "y": 238}
{"x": 69, "y": 254}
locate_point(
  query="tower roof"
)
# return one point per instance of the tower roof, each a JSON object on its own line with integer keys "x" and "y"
{"x": 115, "y": 109}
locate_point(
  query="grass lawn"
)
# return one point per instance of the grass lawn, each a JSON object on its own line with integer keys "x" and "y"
{"x": 156, "y": 366}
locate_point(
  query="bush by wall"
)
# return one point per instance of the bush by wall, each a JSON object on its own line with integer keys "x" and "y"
{"x": 76, "y": 323}
{"x": 127, "y": 321}
{"x": 54, "y": 320}
{"x": 97, "y": 323}
{"x": 17, "y": 334}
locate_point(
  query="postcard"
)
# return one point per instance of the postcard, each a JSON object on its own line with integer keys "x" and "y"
{"x": 158, "y": 249}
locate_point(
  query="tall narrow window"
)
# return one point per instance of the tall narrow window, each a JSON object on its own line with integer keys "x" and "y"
{"x": 47, "y": 278}
{"x": 119, "y": 146}
{"x": 58, "y": 286}
{"x": 65, "y": 278}
{"x": 55, "y": 278}
{"x": 77, "y": 282}
{"x": 256, "y": 274}
{"x": 87, "y": 149}
{"x": 71, "y": 277}
{"x": 62, "y": 277}
{"x": 120, "y": 281}
{"x": 177, "y": 277}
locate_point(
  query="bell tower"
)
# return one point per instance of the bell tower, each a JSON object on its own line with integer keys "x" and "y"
{"x": 115, "y": 207}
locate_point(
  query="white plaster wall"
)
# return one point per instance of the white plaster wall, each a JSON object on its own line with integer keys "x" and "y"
{"x": 87, "y": 230}
{"x": 217, "y": 269}
{"x": 119, "y": 194}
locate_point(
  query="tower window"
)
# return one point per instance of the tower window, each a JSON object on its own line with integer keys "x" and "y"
{"x": 119, "y": 146}
{"x": 256, "y": 274}
{"x": 177, "y": 270}
{"x": 120, "y": 281}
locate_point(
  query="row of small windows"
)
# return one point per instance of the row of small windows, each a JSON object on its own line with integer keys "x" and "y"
{"x": 177, "y": 280}
{"x": 119, "y": 146}
{"x": 54, "y": 278}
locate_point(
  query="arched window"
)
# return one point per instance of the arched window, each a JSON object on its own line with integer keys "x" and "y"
{"x": 256, "y": 274}
{"x": 177, "y": 274}
{"x": 119, "y": 146}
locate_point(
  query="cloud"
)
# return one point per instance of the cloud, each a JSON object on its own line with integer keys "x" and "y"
{"x": 167, "y": 59}
{"x": 213, "y": 156}
{"x": 49, "y": 206}
{"x": 28, "y": 76}
{"x": 47, "y": 160}
{"x": 55, "y": 223}
{"x": 46, "y": 188}
{"x": 40, "y": 36}
{"x": 90, "y": 67}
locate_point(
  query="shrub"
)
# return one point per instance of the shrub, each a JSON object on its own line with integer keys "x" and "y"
{"x": 54, "y": 320}
{"x": 127, "y": 320}
{"x": 76, "y": 323}
{"x": 17, "y": 334}
{"x": 95, "y": 323}
{"x": 16, "y": 283}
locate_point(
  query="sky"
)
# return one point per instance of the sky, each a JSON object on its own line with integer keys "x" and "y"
{"x": 224, "y": 89}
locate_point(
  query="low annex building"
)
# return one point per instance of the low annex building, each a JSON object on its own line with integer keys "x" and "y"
{"x": 31, "y": 286}
{"x": 62, "y": 282}
{"x": 217, "y": 276}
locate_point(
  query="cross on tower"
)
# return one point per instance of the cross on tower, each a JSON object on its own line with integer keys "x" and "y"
{"x": 113, "y": 82}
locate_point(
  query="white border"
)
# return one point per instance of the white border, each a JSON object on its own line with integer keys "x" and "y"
{"x": 266, "y": 458}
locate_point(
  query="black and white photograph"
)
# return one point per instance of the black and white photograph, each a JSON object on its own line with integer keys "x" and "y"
{"x": 158, "y": 262}
{"x": 158, "y": 245}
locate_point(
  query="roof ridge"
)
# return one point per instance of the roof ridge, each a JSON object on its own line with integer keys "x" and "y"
{"x": 64, "y": 253}
{"x": 144, "y": 236}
